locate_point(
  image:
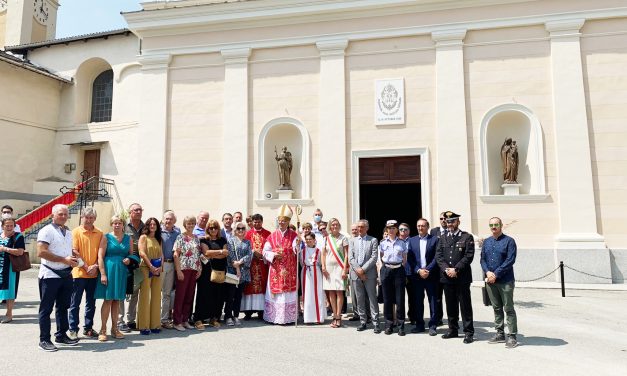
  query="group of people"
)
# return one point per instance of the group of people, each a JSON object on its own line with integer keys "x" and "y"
{"x": 148, "y": 273}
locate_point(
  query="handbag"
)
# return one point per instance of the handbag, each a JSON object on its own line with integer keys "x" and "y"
{"x": 231, "y": 278}
{"x": 485, "y": 296}
{"x": 20, "y": 263}
{"x": 218, "y": 276}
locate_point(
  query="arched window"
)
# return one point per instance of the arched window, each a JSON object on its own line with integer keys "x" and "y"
{"x": 102, "y": 97}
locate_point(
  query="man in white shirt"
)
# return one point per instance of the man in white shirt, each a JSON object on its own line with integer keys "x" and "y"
{"x": 54, "y": 247}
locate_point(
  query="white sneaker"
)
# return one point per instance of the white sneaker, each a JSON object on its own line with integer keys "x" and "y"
{"x": 72, "y": 334}
{"x": 237, "y": 322}
{"x": 229, "y": 322}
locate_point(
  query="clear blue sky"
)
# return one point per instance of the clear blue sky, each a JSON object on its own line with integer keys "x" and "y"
{"x": 78, "y": 17}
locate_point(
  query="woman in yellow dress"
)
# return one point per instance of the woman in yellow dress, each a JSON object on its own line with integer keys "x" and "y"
{"x": 151, "y": 266}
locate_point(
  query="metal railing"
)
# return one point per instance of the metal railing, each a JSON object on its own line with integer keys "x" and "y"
{"x": 87, "y": 191}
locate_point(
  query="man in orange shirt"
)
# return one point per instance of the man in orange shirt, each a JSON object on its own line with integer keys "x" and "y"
{"x": 85, "y": 242}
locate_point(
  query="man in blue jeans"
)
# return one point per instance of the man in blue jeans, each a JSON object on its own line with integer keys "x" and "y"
{"x": 85, "y": 243}
{"x": 498, "y": 254}
{"x": 54, "y": 247}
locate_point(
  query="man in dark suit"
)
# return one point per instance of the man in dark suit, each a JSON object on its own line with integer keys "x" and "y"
{"x": 439, "y": 289}
{"x": 423, "y": 275}
{"x": 454, "y": 255}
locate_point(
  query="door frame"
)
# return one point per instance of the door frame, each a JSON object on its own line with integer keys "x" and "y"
{"x": 425, "y": 175}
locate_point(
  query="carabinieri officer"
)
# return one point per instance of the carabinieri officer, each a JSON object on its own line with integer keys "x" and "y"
{"x": 393, "y": 253}
{"x": 454, "y": 254}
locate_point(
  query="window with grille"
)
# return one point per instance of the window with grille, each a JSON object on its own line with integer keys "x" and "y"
{"x": 102, "y": 97}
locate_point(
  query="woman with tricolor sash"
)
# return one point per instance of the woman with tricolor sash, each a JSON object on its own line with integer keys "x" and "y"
{"x": 314, "y": 309}
{"x": 335, "y": 269}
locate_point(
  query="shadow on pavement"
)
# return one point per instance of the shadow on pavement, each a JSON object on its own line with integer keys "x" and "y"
{"x": 528, "y": 304}
{"x": 540, "y": 341}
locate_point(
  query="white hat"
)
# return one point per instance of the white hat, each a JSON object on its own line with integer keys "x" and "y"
{"x": 285, "y": 211}
{"x": 391, "y": 223}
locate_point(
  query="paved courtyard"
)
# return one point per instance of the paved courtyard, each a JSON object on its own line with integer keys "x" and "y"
{"x": 582, "y": 334}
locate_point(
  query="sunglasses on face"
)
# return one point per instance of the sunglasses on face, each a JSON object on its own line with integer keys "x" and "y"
{"x": 404, "y": 229}
{"x": 241, "y": 228}
{"x": 213, "y": 228}
{"x": 450, "y": 221}
{"x": 494, "y": 225}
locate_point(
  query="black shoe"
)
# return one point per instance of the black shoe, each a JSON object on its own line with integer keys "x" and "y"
{"x": 418, "y": 330}
{"x": 90, "y": 333}
{"x": 468, "y": 338}
{"x": 401, "y": 331}
{"x": 47, "y": 346}
{"x": 369, "y": 321}
{"x": 412, "y": 322}
{"x": 65, "y": 340}
{"x": 498, "y": 338}
{"x": 440, "y": 323}
{"x": 132, "y": 326}
{"x": 448, "y": 335}
{"x": 377, "y": 329}
{"x": 433, "y": 332}
{"x": 354, "y": 318}
{"x": 388, "y": 330}
{"x": 248, "y": 316}
{"x": 511, "y": 342}
{"x": 361, "y": 327}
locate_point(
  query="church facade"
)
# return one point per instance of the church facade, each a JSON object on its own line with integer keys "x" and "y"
{"x": 391, "y": 109}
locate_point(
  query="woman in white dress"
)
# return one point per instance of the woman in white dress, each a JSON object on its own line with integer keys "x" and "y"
{"x": 314, "y": 309}
{"x": 335, "y": 269}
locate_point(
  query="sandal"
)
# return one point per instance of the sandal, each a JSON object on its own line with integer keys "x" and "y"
{"x": 339, "y": 322}
{"x": 115, "y": 333}
{"x": 199, "y": 325}
{"x": 102, "y": 337}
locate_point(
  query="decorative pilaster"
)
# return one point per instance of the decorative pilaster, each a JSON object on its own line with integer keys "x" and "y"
{"x": 332, "y": 129}
{"x": 577, "y": 212}
{"x": 452, "y": 141}
{"x": 153, "y": 130}
{"x": 235, "y": 130}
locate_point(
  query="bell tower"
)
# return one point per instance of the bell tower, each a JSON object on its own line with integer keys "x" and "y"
{"x": 27, "y": 21}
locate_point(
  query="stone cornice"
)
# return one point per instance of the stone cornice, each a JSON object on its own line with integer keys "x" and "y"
{"x": 332, "y": 47}
{"x": 449, "y": 38}
{"x": 235, "y": 55}
{"x": 565, "y": 28}
{"x": 155, "y": 62}
{"x": 184, "y": 16}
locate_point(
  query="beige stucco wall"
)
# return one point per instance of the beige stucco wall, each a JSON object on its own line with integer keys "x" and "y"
{"x": 195, "y": 147}
{"x": 605, "y": 69}
{"x": 27, "y": 135}
{"x": 499, "y": 72}
{"x": 82, "y": 62}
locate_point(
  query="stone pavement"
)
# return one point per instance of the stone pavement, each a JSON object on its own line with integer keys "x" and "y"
{"x": 582, "y": 334}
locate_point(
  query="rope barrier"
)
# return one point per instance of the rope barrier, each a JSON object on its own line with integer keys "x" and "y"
{"x": 539, "y": 278}
{"x": 588, "y": 274}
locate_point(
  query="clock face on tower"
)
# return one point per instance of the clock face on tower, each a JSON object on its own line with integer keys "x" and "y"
{"x": 41, "y": 11}
{"x": 3, "y": 5}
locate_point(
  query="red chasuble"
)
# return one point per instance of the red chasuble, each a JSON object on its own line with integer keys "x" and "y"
{"x": 283, "y": 272}
{"x": 258, "y": 267}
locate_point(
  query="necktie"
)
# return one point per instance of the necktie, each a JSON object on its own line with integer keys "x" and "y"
{"x": 360, "y": 258}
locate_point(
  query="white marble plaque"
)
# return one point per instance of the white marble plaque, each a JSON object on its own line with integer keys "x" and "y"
{"x": 389, "y": 102}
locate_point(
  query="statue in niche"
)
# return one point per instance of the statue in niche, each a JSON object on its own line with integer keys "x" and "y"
{"x": 509, "y": 157}
{"x": 284, "y": 162}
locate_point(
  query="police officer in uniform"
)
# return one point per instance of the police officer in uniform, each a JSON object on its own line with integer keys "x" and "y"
{"x": 454, "y": 254}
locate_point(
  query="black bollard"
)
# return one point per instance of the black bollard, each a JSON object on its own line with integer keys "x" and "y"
{"x": 562, "y": 279}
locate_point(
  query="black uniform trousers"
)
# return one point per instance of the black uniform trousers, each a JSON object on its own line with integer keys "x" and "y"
{"x": 458, "y": 296}
{"x": 393, "y": 282}
{"x": 439, "y": 308}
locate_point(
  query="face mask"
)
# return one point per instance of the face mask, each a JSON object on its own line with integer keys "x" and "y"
{"x": 317, "y": 218}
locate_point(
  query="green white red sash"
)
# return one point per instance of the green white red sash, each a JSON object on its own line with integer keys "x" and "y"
{"x": 335, "y": 250}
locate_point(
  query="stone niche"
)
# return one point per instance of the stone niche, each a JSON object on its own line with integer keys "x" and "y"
{"x": 282, "y": 132}
{"x": 520, "y": 124}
